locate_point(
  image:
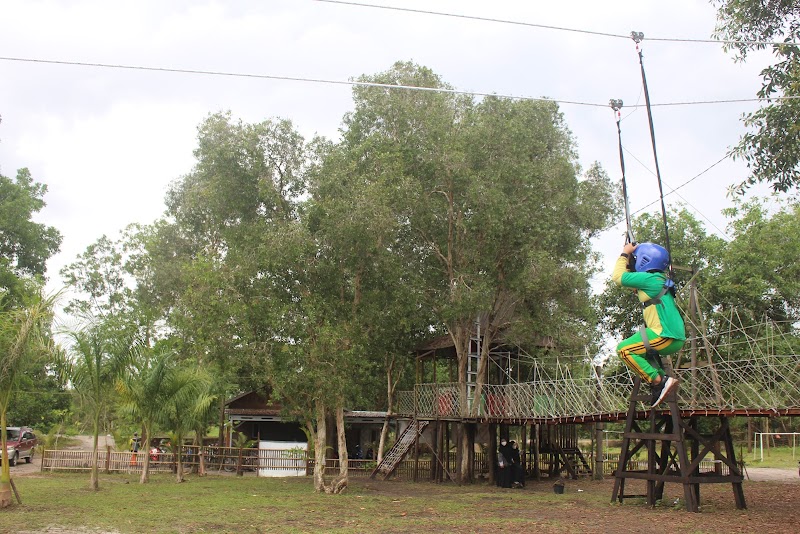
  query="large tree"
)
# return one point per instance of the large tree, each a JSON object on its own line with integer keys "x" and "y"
{"x": 759, "y": 274}
{"x": 25, "y": 246}
{"x": 772, "y": 146}
{"x": 209, "y": 251}
{"x": 486, "y": 209}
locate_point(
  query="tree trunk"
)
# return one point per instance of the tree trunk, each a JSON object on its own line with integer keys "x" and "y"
{"x": 390, "y": 387}
{"x": 221, "y": 439}
{"x": 319, "y": 447}
{"x": 6, "y": 498}
{"x": 201, "y": 458}
{"x": 384, "y": 436}
{"x": 201, "y": 462}
{"x": 461, "y": 333}
{"x": 145, "y": 449}
{"x": 94, "y": 482}
{"x": 483, "y": 364}
{"x": 179, "y": 463}
{"x": 491, "y": 453}
{"x": 339, "y": 484}
{"x": 464, "y": 468}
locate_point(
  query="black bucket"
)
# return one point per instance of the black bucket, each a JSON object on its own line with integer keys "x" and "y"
{"x": 558, "y": 488}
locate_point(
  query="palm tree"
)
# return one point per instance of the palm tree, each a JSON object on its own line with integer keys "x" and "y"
{"x": 153, "y": 382}
{"x": 22, "y": 337}
{"x": 186, "y": 408}
{"x": 92, "y": 370}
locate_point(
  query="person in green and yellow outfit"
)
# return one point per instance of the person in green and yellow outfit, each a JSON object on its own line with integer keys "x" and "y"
{"x": 664, "y": 332}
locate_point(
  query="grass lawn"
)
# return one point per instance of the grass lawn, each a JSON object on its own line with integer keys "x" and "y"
{"x": 251, "y": 504}
{"x": 781, "y": 457}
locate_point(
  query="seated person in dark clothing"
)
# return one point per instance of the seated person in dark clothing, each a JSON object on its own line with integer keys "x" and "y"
{"x": 504, "y": 473}
{"x": 517, "y": 471}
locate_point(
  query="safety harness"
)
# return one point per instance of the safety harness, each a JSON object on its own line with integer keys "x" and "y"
{"x": 669, "y": 287}
{"x": 651, "y": 354}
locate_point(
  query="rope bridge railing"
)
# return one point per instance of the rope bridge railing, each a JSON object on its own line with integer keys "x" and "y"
{"x": 761, "y": 383}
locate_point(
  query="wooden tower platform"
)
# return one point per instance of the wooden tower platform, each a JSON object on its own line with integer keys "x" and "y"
{"x": 664, "y": 442}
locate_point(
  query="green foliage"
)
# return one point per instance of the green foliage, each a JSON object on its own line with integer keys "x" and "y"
{"x": 761, "y": 274}
{"x": 111, "y": 288}
{"x": 480, "y": 204}
{"x": 241, "y": 441}
{"x": 41, "y": 400}
{"x": 772, "y": 146}
{"x": 25, "y": 246}
{"x": 23, "y": 340}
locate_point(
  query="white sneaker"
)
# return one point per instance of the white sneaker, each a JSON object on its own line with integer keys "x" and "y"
{"x": 664, "y": 388}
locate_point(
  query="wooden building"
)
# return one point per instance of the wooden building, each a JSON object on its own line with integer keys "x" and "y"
{"x": 262, "y": 419}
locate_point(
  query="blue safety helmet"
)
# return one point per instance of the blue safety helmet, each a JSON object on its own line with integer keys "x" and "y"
{"x": 650, "y": 257}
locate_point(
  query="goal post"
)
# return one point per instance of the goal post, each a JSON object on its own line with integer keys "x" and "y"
{"x": 759, "y": 438}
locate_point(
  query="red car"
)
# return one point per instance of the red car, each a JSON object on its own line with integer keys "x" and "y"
{"x": 21, "y": 443}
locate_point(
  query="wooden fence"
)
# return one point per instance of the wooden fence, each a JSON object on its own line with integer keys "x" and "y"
{"x": 228, "y": 459}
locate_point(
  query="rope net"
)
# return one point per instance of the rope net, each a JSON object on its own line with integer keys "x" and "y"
{"x": 741, "y": 371}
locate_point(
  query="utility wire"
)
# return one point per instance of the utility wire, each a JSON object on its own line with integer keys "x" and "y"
{"x": 551, "y": 27}
{"x": 293, "y": 79}
{"x": 366, "y": 84}
{"x": 674, "y": 190}
{"x": 471, "y": 17}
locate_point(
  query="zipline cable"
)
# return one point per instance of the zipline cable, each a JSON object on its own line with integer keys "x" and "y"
{"x": 356, "y": 83}
{"x": 637, "y": 38}
{"x": 616, "y": 105}
{"x": 557, "y": 28}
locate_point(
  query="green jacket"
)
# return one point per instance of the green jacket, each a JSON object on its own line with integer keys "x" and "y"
{"x": 664, "y": 319}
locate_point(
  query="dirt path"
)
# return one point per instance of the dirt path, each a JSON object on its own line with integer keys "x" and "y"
{"x": 761, "y": 474}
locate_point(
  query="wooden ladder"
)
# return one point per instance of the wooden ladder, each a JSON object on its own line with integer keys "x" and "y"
{"x": 395, "y": 455}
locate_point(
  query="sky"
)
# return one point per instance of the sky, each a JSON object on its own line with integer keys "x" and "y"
{"x": 108, "y": 142}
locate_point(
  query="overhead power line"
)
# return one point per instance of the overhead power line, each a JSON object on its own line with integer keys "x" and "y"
{"x": 551, "y": 27}
{"x": 365, "y": 84}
